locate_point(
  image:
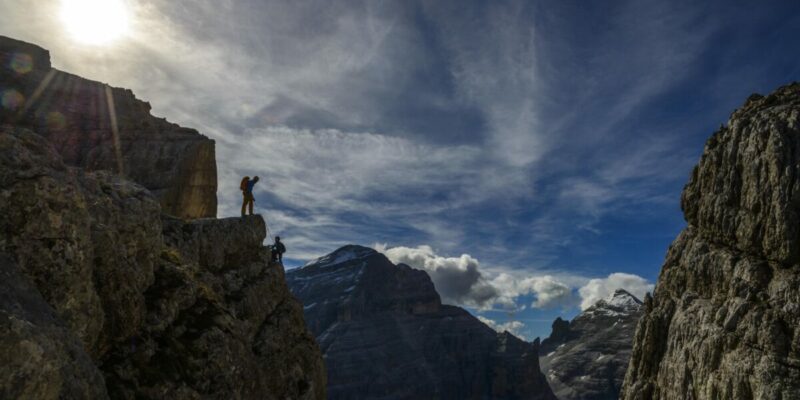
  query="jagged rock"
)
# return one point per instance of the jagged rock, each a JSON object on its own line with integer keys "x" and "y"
{"x": 385, "y": 334}
{"x": 88, "y": 241}
{"x": 219, "y": 327}
{"x": 724, "y": 320}
{"x": 103, "y": 296}
{"x": 80, "y": 117}
{"x": 586, "y": 358}
{"x": 39, "y": 358}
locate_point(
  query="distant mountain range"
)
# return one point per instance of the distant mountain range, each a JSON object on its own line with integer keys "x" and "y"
{"x": 587, "y": 357}
{"x": 385, "y": 334}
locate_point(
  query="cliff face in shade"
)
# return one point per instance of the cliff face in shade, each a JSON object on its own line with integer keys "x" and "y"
{"x": 102, "y": 294}
{"x": 384, "y": 334}
{"x": 97, "y": 127}
{"x": 104, "y": 297}
{"x": 724, "y": 319}
{"x": 586, "y": 358}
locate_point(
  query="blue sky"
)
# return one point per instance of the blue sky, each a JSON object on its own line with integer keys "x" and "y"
{"x": 521, "y": 151}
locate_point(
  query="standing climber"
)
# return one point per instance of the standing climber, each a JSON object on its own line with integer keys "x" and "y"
{"x": 247, "y": 193}
{"x": 278, "y": 249}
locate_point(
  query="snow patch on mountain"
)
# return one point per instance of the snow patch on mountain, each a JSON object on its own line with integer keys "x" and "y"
{"x": 343, "y": 255}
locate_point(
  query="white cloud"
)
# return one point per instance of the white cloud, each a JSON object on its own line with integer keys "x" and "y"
{"x": 597, "y": 289}
{"x": 512, "y": 327}
{"x": 457, "y": 279}
{"x": 461, "y": 281}
{"x": 549, "y": 291}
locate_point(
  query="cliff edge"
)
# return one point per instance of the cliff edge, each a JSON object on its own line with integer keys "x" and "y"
{"x": 103, "y": 295}
{"x": 724, "y": 319}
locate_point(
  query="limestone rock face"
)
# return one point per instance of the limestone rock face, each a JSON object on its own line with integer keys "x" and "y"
{"x": 88, "y": 241}
{"x": 724, "y": 319}
{"x": 586, "y": 358}
{"x": 97, "y": 127}
{"x": 40, "y": 357}
{"x": 385, "y": 334}
{"x": 102, "y": 296}
{"x": 220, "y": 324}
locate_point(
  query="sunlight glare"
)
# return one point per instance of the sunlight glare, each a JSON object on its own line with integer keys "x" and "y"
{"x": 95, "y": 22}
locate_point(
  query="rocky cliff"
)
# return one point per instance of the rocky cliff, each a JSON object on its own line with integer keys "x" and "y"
{"x": 385, "y": 334}
{"x": 586, "y": 358}
{"x": 97, "y": 127}
{"x": 105, "y": 297}
{"x": 102, "y": 295}
{"x": 724, "y": 319}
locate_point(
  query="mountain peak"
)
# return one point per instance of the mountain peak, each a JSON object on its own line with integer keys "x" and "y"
{"x": 341, "y": 255}
{"x": 621, "y": 300}
{"x": 624, "y": 299}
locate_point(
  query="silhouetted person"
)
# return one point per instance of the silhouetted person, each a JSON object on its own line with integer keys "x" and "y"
{"x": 247, "y": 194}
{"x": 278, "y": 249}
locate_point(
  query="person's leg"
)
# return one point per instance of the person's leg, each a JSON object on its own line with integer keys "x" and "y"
{"x": 250, "y": 201}
{"x": 244, "y": 204}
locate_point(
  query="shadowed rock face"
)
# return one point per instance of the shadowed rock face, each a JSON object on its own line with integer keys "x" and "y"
{"x": 385, "y": 335}
{"x": 97, "y": 127}
{"x": 103, "y": 296}
{"x": 40, "y": 357}
{"x": 586, "y": 358}
{"x": 724, "y": 320}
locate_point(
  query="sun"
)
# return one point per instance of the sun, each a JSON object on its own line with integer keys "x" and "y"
{"x": 96, "y": 22}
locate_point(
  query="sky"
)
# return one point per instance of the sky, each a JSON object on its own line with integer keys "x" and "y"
{"x": 528, "y": 154}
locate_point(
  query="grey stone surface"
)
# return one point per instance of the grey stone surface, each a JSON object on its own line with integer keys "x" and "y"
{"x": 724, "y": 319}
{"x": 385, "y": 335}
{"x": 80, "y": 118}
{"x": 586, "y": 358}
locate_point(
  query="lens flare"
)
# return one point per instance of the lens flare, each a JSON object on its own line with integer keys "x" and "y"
{"x": 21, "y": 63}
{"x": 95, "y": 22}
{"x": 55, "y": 121}
{"x": 11, "y": 99}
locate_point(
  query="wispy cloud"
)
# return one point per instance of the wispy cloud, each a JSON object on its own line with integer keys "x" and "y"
{"x": 536, "y": 136}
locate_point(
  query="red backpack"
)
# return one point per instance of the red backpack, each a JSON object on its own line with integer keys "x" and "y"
{"x": 243, "y": 185}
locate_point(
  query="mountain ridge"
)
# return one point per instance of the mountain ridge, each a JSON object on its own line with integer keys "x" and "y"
{"x": 385, "y": 334}
{"x": 586, "y": 358}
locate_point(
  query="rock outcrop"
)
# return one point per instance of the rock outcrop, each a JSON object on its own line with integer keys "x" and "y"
{"x": 724, "y": 319}
{"x": 102, "y": 295}
{"x": 97, "y": 127}
{"x": 587, "y": 357}
{"x": 385, "y": 334}
{"x": 105, "y": 297}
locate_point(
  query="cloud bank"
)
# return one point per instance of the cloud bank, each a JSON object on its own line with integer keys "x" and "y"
{"x": 462, "y": 281}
